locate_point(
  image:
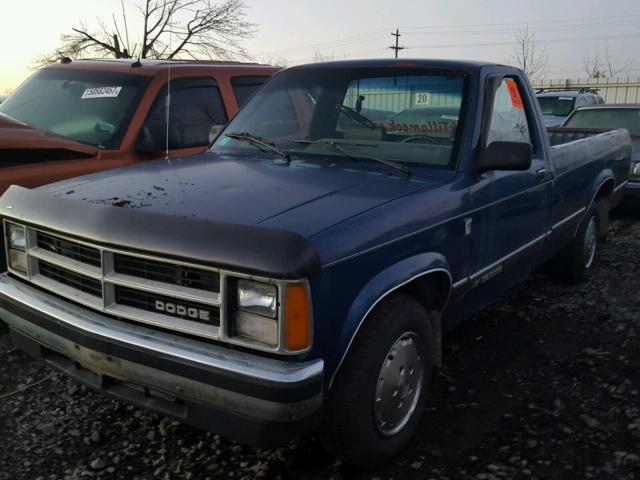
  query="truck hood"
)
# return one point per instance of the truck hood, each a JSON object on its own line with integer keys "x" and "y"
{"x": 16, "y": 135}
{"x": 304, "y": 196}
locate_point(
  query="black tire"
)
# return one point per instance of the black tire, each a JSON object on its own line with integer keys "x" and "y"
{"x": 351, "y": 428}
{"x": 576, "y": 262}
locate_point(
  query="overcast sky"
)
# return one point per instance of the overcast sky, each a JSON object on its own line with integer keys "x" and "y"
{"x": 294, "y": 30}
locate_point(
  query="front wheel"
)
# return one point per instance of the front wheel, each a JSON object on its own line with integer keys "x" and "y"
{"x": 379, "y": 395}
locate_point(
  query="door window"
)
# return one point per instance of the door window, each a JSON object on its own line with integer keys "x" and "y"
{"x": 508, "y": 118}
{"x": 196, "y": 106}
{"x": 244, "y": 87}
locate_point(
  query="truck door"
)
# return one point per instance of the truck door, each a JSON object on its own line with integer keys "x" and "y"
{"x": 511, "y": 209}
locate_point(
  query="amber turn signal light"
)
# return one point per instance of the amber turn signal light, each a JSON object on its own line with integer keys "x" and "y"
{"x": 297, "y": 318}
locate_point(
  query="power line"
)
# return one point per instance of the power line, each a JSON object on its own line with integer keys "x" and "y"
{"x": 596, "y": 20}
{"x": 618, "y": 24}
{"x": 365, "y": 37}
{"x": 464, "y": 29}
{"x": 495, "y": 44}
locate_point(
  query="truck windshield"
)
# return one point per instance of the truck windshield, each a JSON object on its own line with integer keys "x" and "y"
{"x": 404, "y": 115}
{"x": 85, "y": 106}
{"x": 556, "y": 106}
{"x": 612, "y": 118}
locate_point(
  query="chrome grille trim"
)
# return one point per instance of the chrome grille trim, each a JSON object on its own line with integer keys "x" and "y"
{"x": 152, "y": 286}
{"x": 66, "y": 263}
{"x": 80, "y": 272}
{"x": 110, "y": 280}
{"x": 67, "y": 292}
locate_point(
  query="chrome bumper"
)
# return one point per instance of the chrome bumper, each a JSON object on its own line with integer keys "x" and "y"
{"x": 135, "y": 363}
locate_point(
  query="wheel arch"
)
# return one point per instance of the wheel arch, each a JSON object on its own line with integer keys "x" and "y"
{"x": 604, "y": 187}
{"x": 425, "y": 277}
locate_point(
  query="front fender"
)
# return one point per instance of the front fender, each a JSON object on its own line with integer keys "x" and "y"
{"x": 379, "y": 287}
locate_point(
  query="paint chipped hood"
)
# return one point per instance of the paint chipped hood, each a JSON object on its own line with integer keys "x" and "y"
{"x": 305, "y": 196}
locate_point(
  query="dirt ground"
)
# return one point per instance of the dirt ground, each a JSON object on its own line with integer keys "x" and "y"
{"x": 543, "y": 384}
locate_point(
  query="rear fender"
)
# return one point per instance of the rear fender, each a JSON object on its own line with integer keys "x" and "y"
{"x": 603, "y": 185}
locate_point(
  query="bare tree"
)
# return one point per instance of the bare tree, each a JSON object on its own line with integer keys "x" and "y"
{"x": 527, "y": 55}
{"x": 602, "y": 65}
{"x": 319, "y": 57}
{"x": 593, "y": 66}
{"x": 277, "y": 61}
{"x": 170, "y": 29}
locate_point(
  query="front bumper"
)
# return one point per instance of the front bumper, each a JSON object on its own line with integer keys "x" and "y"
{"x": 248, "y": 398}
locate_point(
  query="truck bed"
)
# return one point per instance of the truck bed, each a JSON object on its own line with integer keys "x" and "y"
{"x": 560, "y": 135}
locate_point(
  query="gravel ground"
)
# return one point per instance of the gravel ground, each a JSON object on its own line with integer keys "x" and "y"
{"x": 543, "y": 384}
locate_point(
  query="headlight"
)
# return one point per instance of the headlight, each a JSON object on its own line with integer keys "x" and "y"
{"x": 635, "y": 169}
{"x": 18, "y": 261}
{"x": 16, "y": 248}
{"x": 257, "y": 328}
{"x": 258, "y": 298}
{"x": 257, "y": 311}
{"x": 17, "y": 237}
{"x": 258, "y": 316}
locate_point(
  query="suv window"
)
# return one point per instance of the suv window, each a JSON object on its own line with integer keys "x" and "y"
{"x": 508, "y": 118}
{"x": 196, "y": 106}
{"x": 82, "y": 105}
{"x": 244, "y": 87}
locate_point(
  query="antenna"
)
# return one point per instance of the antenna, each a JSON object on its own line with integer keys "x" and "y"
{"x": 166, "y": 152}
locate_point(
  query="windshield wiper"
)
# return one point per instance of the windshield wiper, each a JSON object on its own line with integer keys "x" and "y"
{"x": 258, "y": 142}
{"x": 339, "y": 147}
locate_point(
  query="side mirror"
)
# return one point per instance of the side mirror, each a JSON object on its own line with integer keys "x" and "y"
{"x": 505, "y": 156}
{"x": 214, "y": 131}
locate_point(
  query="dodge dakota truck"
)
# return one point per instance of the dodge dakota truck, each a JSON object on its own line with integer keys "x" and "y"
{"x": 301, "y": 273}
{"x": 79, "y": 117}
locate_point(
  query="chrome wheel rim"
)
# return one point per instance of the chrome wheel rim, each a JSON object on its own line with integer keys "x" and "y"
{"x": 590, "y": 242}
{"x": 399, "y": 384}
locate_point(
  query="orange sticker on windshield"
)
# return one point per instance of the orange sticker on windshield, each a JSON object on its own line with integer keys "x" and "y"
{"x": 514, "y": 93}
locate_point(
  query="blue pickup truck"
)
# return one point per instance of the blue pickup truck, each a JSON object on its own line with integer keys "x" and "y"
{"x": 301, "y": 273}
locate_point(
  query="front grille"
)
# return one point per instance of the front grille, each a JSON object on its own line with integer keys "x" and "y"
{"x": 75, "y": 251}
{"x": 127, "y": 285}
{"x": 181, "y": 275}
{"x": 71, "y": 279}
{"x": 155, "y": 303}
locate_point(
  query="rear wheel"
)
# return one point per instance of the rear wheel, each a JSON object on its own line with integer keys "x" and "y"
{"x": 378, "y": 397}
{"x": 576, "y": 262}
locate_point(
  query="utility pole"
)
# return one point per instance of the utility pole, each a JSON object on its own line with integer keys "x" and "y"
{"x": 396, "y": 48}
